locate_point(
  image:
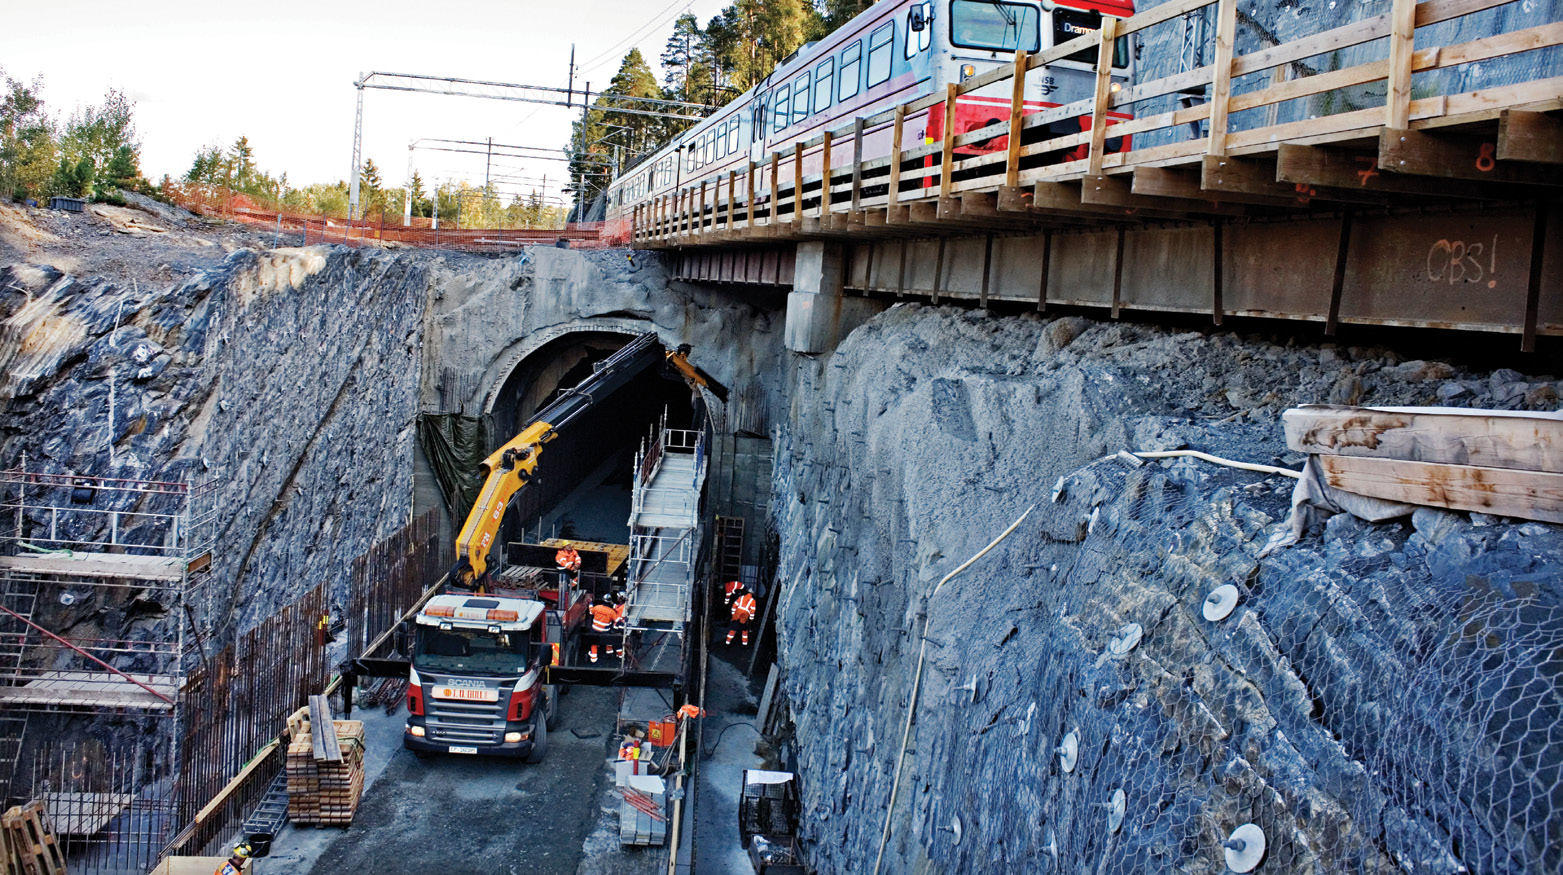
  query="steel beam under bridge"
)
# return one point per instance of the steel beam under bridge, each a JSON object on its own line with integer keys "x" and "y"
{"x": 1483, "y": 268}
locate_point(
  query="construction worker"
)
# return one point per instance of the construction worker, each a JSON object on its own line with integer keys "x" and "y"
{"x": 743, "y": 612}
{"x": 603, "y": 617}
{"x": 234, "y": 865}
{"x": 728, "y": 590}
{"x": 569, "y": 563}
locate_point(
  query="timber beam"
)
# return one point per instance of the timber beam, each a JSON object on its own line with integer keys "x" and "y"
{"x": 1117, "y": 191}
{"x": 1255, "y": 175}
{"x": 1358, "y": 170}
{"x": 1456, "y": 156}
{"x": 1530, "y": 136}
{"x": 1188, "y": 184}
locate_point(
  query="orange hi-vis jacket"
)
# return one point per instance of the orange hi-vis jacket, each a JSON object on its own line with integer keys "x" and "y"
{"x": 603, "y": 617}
{"x": 743, "y": 608}
{"x": 568, "y": 559}
{"x": 728, "y": 590}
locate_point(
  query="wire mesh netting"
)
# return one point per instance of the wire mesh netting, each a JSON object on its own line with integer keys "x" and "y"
{"x": 1380, "y": 698}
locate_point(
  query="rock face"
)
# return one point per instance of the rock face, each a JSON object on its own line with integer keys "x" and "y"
{"x": 1382, "y": 699}
{"x": 287, "y": 379}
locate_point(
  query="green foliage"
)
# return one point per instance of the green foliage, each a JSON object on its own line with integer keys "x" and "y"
{"x": 28, "y": 152}
{"x": 95, "y": 133}
{"x": 422, "y": 207}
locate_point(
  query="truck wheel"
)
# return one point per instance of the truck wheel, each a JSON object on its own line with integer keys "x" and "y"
{"x": 553, "y": 692}
{"x": 539, "y": 741}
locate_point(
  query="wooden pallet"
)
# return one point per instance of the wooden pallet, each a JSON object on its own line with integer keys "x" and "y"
{"x": 29, "y": 845}
{"x": 325, "y": 791}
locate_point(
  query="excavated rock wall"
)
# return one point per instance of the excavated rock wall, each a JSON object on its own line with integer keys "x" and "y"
{"x": 288, "y": 379}
{"x": 1382, "y": 699}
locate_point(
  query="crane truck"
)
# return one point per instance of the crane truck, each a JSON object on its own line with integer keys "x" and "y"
{"x": 484, "y": 645}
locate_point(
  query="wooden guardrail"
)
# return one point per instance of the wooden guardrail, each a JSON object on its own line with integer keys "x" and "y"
{"x": 920, "y": 184}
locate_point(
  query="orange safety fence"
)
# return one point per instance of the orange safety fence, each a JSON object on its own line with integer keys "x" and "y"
{"x": 385, "y": 231}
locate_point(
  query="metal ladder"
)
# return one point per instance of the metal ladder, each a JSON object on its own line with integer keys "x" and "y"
{"x": 272, "y": 811}
{"x": 729, "y": 548}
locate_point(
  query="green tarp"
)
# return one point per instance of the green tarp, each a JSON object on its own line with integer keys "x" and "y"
{"x": 455, "y": 446}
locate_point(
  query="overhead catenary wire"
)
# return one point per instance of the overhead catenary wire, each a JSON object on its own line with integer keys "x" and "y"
{"x": 600, "y": 59}
{"x": 917, "y": 681}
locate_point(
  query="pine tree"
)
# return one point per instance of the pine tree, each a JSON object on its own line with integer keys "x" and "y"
{"x": 369, "y": 184}
{"x": 416, "y": 197}
{"x": 122, "y": 171}
{"x": 242, "y": 159}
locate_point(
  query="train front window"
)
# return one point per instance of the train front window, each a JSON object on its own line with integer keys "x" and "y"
{"x": 1003, "y": 27}
{"x": 1071, "y": 24}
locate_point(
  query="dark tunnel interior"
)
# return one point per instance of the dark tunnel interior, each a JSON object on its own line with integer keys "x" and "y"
{"x": 584, "y": 475}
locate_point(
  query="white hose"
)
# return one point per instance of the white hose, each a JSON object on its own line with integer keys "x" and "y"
{"x": 917, "y": 682}
{"x": 1230, "y": 463}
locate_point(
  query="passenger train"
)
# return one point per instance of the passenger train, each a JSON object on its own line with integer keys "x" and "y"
{"x": 892, "y": 53}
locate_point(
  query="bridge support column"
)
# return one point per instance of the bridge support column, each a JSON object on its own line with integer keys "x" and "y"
{"x": 818, "y": 315}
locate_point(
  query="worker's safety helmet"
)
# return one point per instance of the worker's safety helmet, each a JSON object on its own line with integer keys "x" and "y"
{"x": 565, "y": 544}
{"x": 243, "y": 849}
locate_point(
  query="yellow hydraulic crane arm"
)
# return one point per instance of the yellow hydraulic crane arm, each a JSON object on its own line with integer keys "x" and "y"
{"x": 678, "y": 360}
{"x": 505, "y": 472}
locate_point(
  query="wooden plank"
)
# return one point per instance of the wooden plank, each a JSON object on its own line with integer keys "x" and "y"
{"x": 1402, "y": 30}
{"x": 749, "y": 182}
{"x": 1455, "y": 156}
{"x": 323, "y": 737}
{"x": 1117, "y": 191}
{"x": 1103, "y": 95}
{"x": 898, "y": 126}
{"x": 947, "y": 150}
{"x": 857, "y": 164}
{"x": 1017, "y": 104}
{"x": 1531, "y": 495}
{"x": 1357, "y": 169}
{"x": 1221, "y": 84}
{"x": 797, "y": 184}
{"x": 824, "y": 185}
{"x": 221, "y": 798}
{"x": 1488, "y": 439}
{"x": 1186, "y": 183}
{"x": 1530, "y": 136}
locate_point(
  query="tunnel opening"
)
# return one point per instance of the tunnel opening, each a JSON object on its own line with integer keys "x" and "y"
{"x": 583, "y": 490}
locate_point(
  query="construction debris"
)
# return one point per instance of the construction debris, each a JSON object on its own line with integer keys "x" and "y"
{"x": 325, "y": 769}
{"x": 27, "y": 842}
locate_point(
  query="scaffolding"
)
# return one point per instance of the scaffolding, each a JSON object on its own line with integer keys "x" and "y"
{"x": 665, "y": 527}
{"x": 96, "y": 578}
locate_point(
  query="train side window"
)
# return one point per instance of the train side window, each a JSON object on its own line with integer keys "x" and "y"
{"x": 719, "y": 146}
{"x": 800, "y": 98}
{"x": 851, "y": 70}
{"x": 705, "y": 150}
{"x": 757, "y": 123}
{"x": 881, "y": 43}
{"x": 925, "y": 36}
{"x": 733, "y": 128}
{"x": 783, "y": 106}
{"x": 824, "y": 78}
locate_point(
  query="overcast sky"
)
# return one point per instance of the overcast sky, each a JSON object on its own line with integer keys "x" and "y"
{"x": 282, "y": 72}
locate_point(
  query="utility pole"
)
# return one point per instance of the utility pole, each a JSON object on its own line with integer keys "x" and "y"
{"x": 407, "y": 207}
{"x": 570, "y": 88}
{"x": 488, "y": 162}
{"x": 358, "y": 150}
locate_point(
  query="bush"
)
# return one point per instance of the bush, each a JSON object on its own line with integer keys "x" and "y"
{"x": 109, "y": 196}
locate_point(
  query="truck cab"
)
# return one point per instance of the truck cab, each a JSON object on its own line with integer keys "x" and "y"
{"x": 477, "y": 678}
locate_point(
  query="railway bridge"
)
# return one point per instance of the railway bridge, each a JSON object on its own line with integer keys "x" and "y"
{"x": 1353, "y": 175}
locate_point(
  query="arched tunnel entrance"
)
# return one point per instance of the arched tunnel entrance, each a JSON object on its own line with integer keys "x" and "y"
{"x": 583, "y": 490}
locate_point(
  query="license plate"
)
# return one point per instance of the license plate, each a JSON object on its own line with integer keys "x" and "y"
{"x": 455, "y": 749}
{"x": 466, "y": 694}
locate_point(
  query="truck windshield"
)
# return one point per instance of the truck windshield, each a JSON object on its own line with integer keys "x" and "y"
{"x": 470, "y": 650}
{"x": 983, "y": 24}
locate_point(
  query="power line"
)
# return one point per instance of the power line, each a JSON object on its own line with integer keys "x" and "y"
{"x": 657, "y": 21}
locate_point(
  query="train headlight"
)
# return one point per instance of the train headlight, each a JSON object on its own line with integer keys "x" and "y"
{"x": 968, "y": 71}
{"x": 1117, "y": 86}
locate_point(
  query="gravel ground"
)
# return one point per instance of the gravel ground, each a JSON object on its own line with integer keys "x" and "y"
{"x": 456, "y": 815}
{"x": 152, "y": 243}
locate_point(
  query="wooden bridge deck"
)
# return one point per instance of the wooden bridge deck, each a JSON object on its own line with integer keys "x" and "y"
{"x": 1367, "y": 183}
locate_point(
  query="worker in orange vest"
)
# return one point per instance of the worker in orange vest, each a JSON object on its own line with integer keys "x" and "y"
{"x": 234, "y": 865}
{"x": 731, "y": 587}
{"x": 603, "y": 617}
{"x": 743, "y": 612}
{"x": 569, "y": 563}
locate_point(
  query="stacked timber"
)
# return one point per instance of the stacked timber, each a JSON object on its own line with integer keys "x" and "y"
{"x": 27, "y": 843}
{"x": 325, "y": 769}
{"x": 1499, "y": 462}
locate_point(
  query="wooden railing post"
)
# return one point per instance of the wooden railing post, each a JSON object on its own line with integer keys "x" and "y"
{"x": 732, "y": 202}
{"x": 775, "y": 188}
{"x": 1402, "y": 43}
{"x": 1104, "y": 80}
{"x": 1017, "y": 108}
{"x": 700, "y": 215}
{"x": 1221, "y": 76}
{"x": 895, "y": 153}
{"x": 750, "y": 182}
{"x": 824, "y": 183}
{"x": 797, "y": 183}
{"x": 947, "y": 152}
{"x": 857, "y": 163}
